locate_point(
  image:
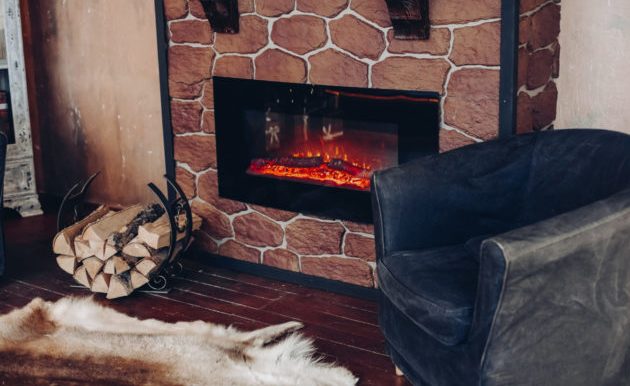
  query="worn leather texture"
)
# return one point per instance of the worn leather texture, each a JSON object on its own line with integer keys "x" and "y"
{"x": 508, "y": 262}
{"x": 3, "y": 153}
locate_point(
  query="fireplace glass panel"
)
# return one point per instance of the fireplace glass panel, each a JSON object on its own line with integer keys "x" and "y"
{"x": 313, "y": 149}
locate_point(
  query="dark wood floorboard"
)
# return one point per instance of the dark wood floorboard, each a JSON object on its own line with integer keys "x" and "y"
{"x": 344, "y": 329}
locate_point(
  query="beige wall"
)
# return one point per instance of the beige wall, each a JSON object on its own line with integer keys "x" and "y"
{"x": 97, "y": 94}
{"x": 594, "y": 86}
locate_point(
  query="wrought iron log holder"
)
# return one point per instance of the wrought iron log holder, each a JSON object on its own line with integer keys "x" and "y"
{"x": 73, "y": 207}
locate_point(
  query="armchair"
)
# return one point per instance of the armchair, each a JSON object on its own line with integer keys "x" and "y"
{"x": 3, "y": 151}
{"x": 508, "y": 262}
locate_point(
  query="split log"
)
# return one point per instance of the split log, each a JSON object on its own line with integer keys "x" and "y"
{"x": 101, "y": 283}
{"x": 63, "y": 243}
{"x": 93, "y": 265}
{"x": 120, "y": 265}
{"x": 108, "y": 268}
{"x": 120, "y": 285}
{"x": 103, "y": 249}
{"x": 82, "y": 248}
{"x": 102, "y": 229}
{"x": 157, "y": 235}
{"x": 149, "y": 265}
{"x": 81, "y": 276}
{"x": 148, "y": 214}
{"x": 67, "y": 263}
{"x": 137, "y": 248}
{"x": 137, "y": 279}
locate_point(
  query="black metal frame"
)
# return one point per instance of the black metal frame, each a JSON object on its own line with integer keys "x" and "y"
{"x": 508, "y": 77}
{"x": 507, "y": 94}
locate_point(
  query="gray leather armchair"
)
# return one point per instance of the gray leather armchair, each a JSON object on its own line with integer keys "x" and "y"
{"x": 508, "y": 262}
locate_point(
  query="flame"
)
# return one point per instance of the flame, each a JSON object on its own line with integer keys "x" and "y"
{"x": 357, "y": 176}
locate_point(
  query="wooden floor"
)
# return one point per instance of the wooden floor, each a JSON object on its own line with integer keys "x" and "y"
{"x": 345, "y": 329}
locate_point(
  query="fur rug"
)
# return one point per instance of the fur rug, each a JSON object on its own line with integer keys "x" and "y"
{"x": 77, "y": 341}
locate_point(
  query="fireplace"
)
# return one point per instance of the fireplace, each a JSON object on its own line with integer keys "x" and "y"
{"x": 312, "y": 149}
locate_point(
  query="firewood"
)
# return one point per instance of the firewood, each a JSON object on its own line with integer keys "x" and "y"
{"x": 81, "y": 276}
{"x": 101, "y": 283}
{"x": 108, "y": 268}
{"x": 157, "y": 234}
{"x": 120, "y": 265}
{"x": 136, "y": 248}
{"x": 148, "y": 214}
{"x": 150, "y": 265}
{"x": 137, "y": 279}
{"x": 93, "y": 265}
{"x": 67, "y": 263}
{"x": 105, "y": 227}
{"x": 120, "y": 285}
{"x": 82, "y": 248}
{"x": 63, "y": 243}
{"x": 103, "y": 249}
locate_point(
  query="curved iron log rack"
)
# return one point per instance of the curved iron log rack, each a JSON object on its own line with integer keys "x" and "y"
{"x": 74, "y": 201}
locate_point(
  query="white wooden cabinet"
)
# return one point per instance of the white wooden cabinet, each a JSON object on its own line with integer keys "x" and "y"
{"x": 19, "y": 181}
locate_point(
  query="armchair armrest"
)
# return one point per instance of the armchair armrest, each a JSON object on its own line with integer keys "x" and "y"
{"x": 561, "y": 302}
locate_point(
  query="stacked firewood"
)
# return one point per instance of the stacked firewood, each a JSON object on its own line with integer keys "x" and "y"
{"x": 116, "y": 252}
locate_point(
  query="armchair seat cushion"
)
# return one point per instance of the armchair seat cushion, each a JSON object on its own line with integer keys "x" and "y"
{"x": 436, "y": 288}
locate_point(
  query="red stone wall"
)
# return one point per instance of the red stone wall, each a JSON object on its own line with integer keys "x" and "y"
{"x": 336, "y": 42}
{"x": 538, "y": 61}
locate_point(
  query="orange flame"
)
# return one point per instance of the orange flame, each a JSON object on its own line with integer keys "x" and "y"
{"x": 322, "y": 173}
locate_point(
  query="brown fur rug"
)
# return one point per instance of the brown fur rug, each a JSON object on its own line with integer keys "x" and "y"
{"x": 75, "y": 341}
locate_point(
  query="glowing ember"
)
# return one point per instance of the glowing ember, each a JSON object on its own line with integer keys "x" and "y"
{"x": 335, "y": 172}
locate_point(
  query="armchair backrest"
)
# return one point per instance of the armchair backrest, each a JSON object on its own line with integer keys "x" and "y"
{"x": 573, "y": 168}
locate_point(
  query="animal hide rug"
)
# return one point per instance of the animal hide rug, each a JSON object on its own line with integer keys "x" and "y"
{"x": 75, "y": 341}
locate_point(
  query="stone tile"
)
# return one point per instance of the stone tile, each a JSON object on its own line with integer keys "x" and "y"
{"x": 255, "y": 229}
{"x": 279, "y": 66}
{"x": 463, "y": 11}
{"x": 215, "y": 223}
{"x": 357, "y": 37}
{"x": 332, "y": 67}
{"x": 300, "y": 33}
{"x": 274, "y": 7}
{"x": 189, "y": 65}
{"x": 544, "y": 107}
{"x": 186, "y": 180}
{"x": 374, "y": 10}
{"x": 410, "y": 74}
{"x": 175, "y": 9}
{"x": 234, "y": 67}
{"x": 479, "y": 44}
{"x": 451, "y": 139}
{"x": 545, "y": 26}
{"x": 281, "y": 258}
{"x": 276, "y": 214}
{"x": 208, "y": 190}
{"x": 473, "y": 102}
{"x": 251, "y": 38}
{"x": 360, "y": 246}
{"x": 327, "y": 8}
{"x": 239, "y": 251}
{"x": 199, "y": 152}
{"x": 539, "y": 68}
{"x": 314, "y": 237}
{"x": 186, "y": 116}
{"x": 191, "y": 31}
{"x": 349, "y": 270}
{"x": 207, "y": 122}
{"x": 438, "y": 43}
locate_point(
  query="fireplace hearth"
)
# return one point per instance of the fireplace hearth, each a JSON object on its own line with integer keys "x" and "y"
{"x": 312, "y": 149}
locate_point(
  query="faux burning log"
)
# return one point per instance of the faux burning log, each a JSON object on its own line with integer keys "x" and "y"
{"x": 294, "y": 162}
{"x": 345, "y": 166}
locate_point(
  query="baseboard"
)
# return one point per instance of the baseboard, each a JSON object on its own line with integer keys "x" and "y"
{"x": 298, "y": 278}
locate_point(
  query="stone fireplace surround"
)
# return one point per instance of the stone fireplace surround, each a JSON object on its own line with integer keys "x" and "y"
{"x": 344, "y": 43}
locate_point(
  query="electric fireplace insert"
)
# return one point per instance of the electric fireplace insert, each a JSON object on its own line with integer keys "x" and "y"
{"x": 311, "y": 148}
